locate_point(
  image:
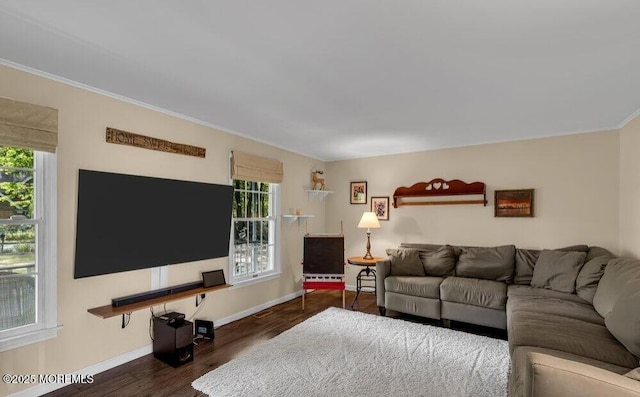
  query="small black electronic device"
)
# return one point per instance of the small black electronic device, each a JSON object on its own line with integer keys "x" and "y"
{"x": 172, "y": 317}
{"x": 204, "y": 329}
{"x": 213, "y": 278}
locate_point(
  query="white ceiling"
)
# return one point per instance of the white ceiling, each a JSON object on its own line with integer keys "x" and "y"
{"x": 337, "y": 79}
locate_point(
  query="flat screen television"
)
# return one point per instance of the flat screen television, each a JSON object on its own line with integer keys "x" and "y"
{"x": 127, "y": 222}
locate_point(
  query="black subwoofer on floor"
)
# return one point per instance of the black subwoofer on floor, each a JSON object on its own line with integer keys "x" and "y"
{"x": 173, "y": 341}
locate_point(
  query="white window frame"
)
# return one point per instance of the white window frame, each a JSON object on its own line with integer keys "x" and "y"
{"x": 243, "y": 281}
{"x": 46, "y": 326}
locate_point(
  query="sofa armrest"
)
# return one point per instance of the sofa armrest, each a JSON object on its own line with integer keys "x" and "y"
{"x": 383, "y": 268}
{"x": 553, "y": 376}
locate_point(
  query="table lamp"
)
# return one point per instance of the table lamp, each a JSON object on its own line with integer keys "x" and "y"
{"x": 368, "y": 221}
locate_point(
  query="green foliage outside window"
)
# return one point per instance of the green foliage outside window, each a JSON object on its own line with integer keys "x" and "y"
{"x": 16, "y": 186}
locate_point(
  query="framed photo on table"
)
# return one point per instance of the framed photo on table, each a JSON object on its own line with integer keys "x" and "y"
{"x": 380, "y": 207}
{"x": 513, "y": 203}
{"x": 358, "y": 193}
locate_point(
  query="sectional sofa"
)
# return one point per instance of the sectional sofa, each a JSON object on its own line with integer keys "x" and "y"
{"x": 572, "y": 314}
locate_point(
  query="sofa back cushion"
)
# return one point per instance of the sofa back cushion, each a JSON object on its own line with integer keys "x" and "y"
{"x": 558, "y": 270}
{"x": 405, "y": 262}
{"x": 487, "y": 263}
{"x": 422, "y": 246}
{"x": 590, "y": 276}
{"x": 618, "y": 273}
{"x": 439, "y": 263}
{"x": 525, "y": 261}
{"x": 623, "y": 321}
{"x": 595, "y": 252}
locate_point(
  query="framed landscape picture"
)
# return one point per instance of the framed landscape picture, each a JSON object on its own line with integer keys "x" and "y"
{"x": 514, "y": 203}
{"x": 358, "y": 193}
{"x": 380, "y": 207}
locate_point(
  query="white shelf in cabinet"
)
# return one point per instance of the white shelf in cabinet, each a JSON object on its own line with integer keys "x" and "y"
{"x": 319, "y": 194}
{"x": 289, "y": 219}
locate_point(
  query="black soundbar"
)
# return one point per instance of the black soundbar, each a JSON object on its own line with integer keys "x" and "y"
{"x": 145, "y": 296}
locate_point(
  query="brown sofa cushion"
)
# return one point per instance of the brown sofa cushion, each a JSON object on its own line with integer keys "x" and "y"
{"x": 487, "y": 263}
{"x": 575, "y": 248}
{"x": 405, "y": 262}
{"x": 527, "y": 290}
{"x": 559, "y": 307}
{"x": 557, "y": 270}
{"x": 568, "y": 335}
{"x": 439, "y": 263}
{"x": 595, "y": 252}
{"x": 425, "y": 286}
{"x": 475, "y": 292}
{"x": 525, "y": 261}
{"x": 617, "y": 274}
{"x": 422, "y": 246}
{"x": 623, "y": 321}
{"x": 589, "y": 277}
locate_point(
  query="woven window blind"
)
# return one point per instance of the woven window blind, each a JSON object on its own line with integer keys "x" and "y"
{"x": 28, "y": 126}
{"x": 248, "y": 167}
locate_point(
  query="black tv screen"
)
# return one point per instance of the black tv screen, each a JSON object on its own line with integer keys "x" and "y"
{"x": 127, "y": 222}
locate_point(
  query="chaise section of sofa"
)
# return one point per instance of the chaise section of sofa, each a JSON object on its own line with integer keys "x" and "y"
{"x": 562, "y": 344}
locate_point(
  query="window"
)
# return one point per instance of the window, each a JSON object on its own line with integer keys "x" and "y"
{"x": 254, "y": 233}
{"x": 27, "y": 247}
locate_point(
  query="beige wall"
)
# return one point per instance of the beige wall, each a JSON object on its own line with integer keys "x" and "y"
{"x": 630, "y": 189}
{"x": 576, "y": 194}
{"x": 86, "y": 340}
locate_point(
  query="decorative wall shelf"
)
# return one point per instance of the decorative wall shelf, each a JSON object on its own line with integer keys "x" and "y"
{"x": 433, "y": 190}
{"x": 319, "y": 194}
{"x": 109, "y": 311}
{"x": 289, "y": 219}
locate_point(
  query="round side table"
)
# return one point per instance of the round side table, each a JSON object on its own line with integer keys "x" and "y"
{"x": 365, "y": 274}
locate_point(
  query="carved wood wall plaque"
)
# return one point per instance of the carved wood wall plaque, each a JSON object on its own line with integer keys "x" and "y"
{"x": 438, "y": 188}
{"x": 128, "y": 138}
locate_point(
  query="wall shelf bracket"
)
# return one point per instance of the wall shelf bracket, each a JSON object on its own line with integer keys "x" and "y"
{"x": 126, "y": 317}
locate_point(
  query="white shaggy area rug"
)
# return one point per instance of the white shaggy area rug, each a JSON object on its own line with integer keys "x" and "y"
{"x": 345, "y": 353}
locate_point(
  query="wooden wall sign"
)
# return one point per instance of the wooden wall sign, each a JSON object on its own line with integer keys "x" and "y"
{"x": 128, "y": 138}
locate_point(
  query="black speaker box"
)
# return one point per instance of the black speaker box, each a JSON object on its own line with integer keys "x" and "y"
{"x": 173, "y": 342}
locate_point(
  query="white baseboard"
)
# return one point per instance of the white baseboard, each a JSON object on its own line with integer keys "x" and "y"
{"x": 256, "y": 309}
{"x": 143, "y": 351}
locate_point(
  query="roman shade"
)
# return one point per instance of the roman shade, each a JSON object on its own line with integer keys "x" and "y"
{"x": 28, "y": 126}
{"x": 248, "y": 167}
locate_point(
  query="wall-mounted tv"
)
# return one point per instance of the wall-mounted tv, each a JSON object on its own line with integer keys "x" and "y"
{"x": 127, "y": 222}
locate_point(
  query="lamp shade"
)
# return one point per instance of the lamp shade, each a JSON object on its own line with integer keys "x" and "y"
{"x": 369, "y": 220}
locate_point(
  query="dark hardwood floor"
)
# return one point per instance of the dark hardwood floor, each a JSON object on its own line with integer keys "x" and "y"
{"x": 147, "y": 376}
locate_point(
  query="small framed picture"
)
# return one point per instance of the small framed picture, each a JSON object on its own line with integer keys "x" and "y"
{"x": 380, "y": 207}
{"x": 358, "y": 192}
{"x": 513, "y": 203}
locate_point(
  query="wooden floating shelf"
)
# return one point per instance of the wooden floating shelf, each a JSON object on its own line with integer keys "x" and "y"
{"x": 437, "y": 188}
{"x": 441, "y": 202}
{"x": 109, "y": 311}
